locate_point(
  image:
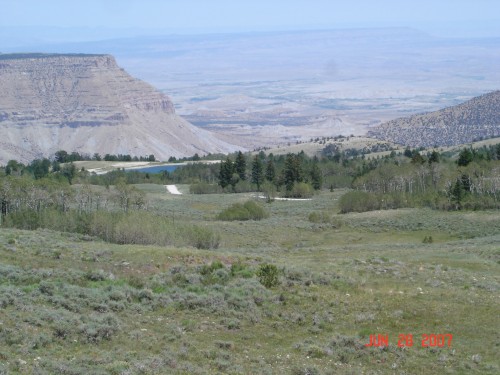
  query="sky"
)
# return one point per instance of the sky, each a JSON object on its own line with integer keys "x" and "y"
{"x": 444, "y": 17}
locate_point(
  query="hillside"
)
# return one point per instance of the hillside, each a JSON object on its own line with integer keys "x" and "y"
{"x": 87, "y": 103}
{"x": 475, "y": 119}
{"x": 73, "y": 304}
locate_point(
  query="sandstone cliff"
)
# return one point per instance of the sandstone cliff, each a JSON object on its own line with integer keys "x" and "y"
{"x": 475, "y": 119}
{"x": 87, "y": 103}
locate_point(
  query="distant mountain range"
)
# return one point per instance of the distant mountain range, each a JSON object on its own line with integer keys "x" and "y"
{"x": 476, "y": 119}
{"x": 88, "y": 104}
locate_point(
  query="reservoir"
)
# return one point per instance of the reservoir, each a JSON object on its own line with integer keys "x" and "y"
{"x": 157, "y": 168}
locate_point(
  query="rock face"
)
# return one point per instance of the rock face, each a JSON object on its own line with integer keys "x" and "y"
{"x": 87, "y": 103}
{"x": 475, "y": 119}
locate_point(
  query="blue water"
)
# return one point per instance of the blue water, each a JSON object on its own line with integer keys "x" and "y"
{"x": 157, "y": 169}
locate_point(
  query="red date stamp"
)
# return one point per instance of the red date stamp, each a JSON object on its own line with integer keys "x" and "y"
{"x": 407, "y": 340}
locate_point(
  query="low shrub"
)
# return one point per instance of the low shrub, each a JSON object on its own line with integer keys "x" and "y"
{"x": 324, "y": 218}
{"x": 200, "y": 237}
{"x": 241, "y": 270}
{"x": 208, "y": 269}
{"x": 300, "y": 190}
{"x": 204, "y": 188}
{"x": 133, "y": 227}
{"x": 428, "y": 239}
{"x": 358, "y": 201}
{"x": 99, "y": 328}
{"x": 250, "y": 210}
{"x": 268, "y": 275}
{"x": 215, "y": 273}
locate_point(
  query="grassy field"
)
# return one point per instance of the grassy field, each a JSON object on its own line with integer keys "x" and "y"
{"x": 71, "y": 304}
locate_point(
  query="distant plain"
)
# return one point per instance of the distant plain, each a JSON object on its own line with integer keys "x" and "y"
{"x": 317, "y": 83}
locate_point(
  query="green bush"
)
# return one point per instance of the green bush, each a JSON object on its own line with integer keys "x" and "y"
{"x": 200, "y": 237}
{"x": 358, "y": 201}
{"x": 250, "y": 210}
{"x": 241, "y": 270}
{"x": 208, "y": 269}
{"x": 319, "y": 217}
{"x": 301, "y": 190}
{"x": 268, "y": 275}
{"x": 428, "y": 239}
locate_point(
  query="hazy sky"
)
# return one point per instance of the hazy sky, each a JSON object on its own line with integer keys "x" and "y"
{"x": 460, "y": 17}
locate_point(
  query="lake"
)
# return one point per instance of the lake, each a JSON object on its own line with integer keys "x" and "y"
{"x": 157, "y": 168}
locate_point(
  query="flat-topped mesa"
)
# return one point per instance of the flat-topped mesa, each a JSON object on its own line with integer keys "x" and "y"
{"x": 65, "y": 88}
{"x": 87, "y": 103}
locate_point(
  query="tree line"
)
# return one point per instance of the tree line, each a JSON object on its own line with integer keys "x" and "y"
{"x": 63, "y": 156}
{"x": 295, "y": 174}
{"x": 414, "y": 177}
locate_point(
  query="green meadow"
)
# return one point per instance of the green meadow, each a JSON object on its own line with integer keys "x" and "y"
{"x": 299, "y": 291}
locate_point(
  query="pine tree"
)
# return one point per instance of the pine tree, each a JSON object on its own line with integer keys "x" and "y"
{"x": 465, "y": 157}
{"x": 316, "y": 176}
{"x": 434, "y": 157}
{"x": 417, "y": 158}
{"x": 270, "y": 171}
{"x": 293, "y": 171}
{"x": 226, "y": 172}
{"x": 457, "y": 193}
{"x": 257, "y": 172}
{"x": 241, "y": 166}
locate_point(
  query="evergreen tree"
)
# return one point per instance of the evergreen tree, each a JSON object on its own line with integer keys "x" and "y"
{"x": 241, "y": 166}
{"x": 465, "y": 157}
{"x": 226, "y": 173}
{"x": 408, "y": 153}
{"x": 270, "y": 171}
{"x": 434, "y": 157}
{"x": 466, "y": 183}
{"x": 293, "y": 171}
{"x": 457, "y": 193}
{"x": 316, "y": 175}
{"x": 257, "y": 172}
{"x": 417, "y": 158}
